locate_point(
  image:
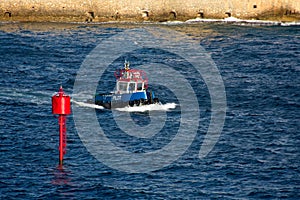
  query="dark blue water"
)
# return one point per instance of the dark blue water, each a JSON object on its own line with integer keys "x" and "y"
{"x": 256, "y": 157}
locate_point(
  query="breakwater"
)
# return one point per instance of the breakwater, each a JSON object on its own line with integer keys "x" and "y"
{"x": 160, "y": 10}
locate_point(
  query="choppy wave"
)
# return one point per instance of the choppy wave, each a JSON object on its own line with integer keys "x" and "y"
{"x": 237, "y": 21}
{"x": 256, "y": 157}
{"x": 228, "y": 20}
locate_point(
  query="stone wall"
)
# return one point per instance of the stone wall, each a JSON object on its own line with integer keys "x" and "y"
{"x": 104, "y": 10}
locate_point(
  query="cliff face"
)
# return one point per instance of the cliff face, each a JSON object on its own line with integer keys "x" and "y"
{"x": 159, "y": 10}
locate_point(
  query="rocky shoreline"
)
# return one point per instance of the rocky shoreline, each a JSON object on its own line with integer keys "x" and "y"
{"x": 96, "y": 19}
{"x": 83, "y": 18}
{"x": 149, "y": 11}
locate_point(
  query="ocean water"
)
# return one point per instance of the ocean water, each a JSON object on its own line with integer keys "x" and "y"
{"x": 257, "y": 155}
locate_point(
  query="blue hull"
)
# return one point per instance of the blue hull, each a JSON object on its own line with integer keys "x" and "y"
{"x": 123, "y": 100}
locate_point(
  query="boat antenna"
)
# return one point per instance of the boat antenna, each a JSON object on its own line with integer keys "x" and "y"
{"x": 126, "y": 65}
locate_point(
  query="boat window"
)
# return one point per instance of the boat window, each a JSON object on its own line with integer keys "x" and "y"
{"x": 123, "y": 86}
{"x": 139, "y": 86}
{"x": 131, "y": 87}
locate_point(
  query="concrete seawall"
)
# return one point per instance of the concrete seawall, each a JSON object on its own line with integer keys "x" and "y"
{"x": 136, "y": 10}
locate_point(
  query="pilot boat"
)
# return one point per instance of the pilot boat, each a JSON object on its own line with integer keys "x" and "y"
{"x": 131, "y": 90}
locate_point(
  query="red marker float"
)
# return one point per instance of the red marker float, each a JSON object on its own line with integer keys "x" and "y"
{"x": 61, "y": 105}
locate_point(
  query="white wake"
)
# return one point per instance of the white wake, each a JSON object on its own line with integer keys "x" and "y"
{"x": 151, "y": 107}
{"x": 144, "y": 108}
{"x": 88, "y": 105}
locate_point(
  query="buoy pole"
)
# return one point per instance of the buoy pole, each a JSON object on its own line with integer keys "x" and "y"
{"x": 61, "y": 106}
{"x": 62, "y": 137}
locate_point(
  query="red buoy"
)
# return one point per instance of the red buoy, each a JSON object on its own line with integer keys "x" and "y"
{"x": 61, "y": 105}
